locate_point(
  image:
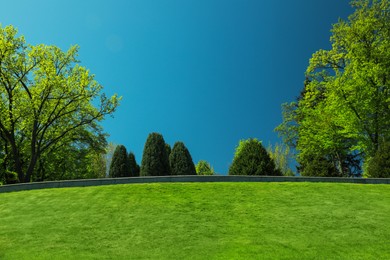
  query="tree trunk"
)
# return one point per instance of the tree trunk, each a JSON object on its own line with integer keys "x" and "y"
{"x": 17, "y": 162}
{"x": 34, "y": 152}
{"x": 31, "y": 166}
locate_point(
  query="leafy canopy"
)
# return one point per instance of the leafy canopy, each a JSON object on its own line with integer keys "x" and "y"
{"x": 343, "y": 113}
{"x": 47, "y": 101}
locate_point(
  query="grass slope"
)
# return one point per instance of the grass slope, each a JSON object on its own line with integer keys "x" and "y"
{"x": 198, "y": 221}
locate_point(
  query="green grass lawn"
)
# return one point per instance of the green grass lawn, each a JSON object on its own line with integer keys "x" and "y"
{"x": 198, "y": 221}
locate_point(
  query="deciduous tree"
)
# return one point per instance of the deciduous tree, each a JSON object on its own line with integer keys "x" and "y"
{"x": 46, "y": 98}
{"x": 343, "y": 113}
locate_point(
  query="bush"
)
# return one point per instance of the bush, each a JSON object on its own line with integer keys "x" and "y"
{"x": 155, "y": 161}
{"x": 379, "y": 165}
{"x": 204, "y": 168}
{"x": 120, "y": 164}
{"x": 251, "y": 158}
{"x": 180, "y": 160}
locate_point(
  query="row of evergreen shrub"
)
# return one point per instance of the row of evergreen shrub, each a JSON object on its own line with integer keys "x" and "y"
{"x": 158, "y": 159}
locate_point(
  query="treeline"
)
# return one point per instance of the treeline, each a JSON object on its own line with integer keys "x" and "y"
{"x": 158, "y": 159}
{"x": 340, "y": 123}
{"x": 51, "y": 107}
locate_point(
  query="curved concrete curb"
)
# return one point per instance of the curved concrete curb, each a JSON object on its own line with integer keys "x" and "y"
{"x": 160, "y": 179}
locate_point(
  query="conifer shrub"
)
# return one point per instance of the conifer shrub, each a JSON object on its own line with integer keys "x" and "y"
{"x": 169, "y": 149}
{"x": 180, "y": 160}
{"x": 204, "y": 168}
{"x": 155, "y": 161}
{"x": 120, "y": 163}
{"x": 133, "y": 166}
{"x": 251, "y": 158}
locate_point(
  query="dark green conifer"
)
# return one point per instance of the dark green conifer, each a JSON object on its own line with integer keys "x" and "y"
{"x": 168, "y": 148}
{"x": 133, "y": 166}
{"x": 155, "y": 161}
{"x": 251, "y": 158}
{"x": 180, "y": 160}
{"x": 120, "y": 163}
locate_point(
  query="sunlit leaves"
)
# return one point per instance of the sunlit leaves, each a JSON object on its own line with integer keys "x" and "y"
{"x": 344, "y": 107}
{"x": 45, "y": 97}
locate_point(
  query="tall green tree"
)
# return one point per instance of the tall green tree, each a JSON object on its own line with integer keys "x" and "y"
{"x": 204, "y": 168}
{"x": 180, "y": 160}
{"x": 120, "y": 166}
{"x": 46, "y": 99}
{"x": 251, "y": 158}
{"x": 133, "y": 166}
{"x": 155, "y": 161}
{"x": 344, "y": 114}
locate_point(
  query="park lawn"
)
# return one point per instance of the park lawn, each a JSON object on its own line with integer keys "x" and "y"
{"x": 198, "y": 221}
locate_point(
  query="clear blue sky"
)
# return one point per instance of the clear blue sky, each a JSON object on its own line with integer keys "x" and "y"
{"x": 205, "y": 72}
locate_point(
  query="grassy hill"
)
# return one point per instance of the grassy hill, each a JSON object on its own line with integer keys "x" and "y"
{"x": 198, "y": 221}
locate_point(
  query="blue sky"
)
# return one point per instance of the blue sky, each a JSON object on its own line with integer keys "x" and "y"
{"x": 205, "y": 72}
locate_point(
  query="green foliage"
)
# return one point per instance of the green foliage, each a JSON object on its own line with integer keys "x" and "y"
{"x": 289, "y": 128}
{"x": 180, "y": 160}
{"x": 379, "y": 165}
{"x": 168, "y": 148}
{"x": 318, "y": 167}
{"x": 155, "y": 161}
{"x": 83, "y": 158}
{"x": 120, "y": 166}
{"x": 47, "y": 102}
{"x": 204, "y": 168}
{"x": 97, "y": 165}
{"x": 133, "y": 166}
{"x": 281, "y": 155}
{"x": 343, "y": 112}
{"x": 10, "y": 177}
{"x": 251, "y": 158}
